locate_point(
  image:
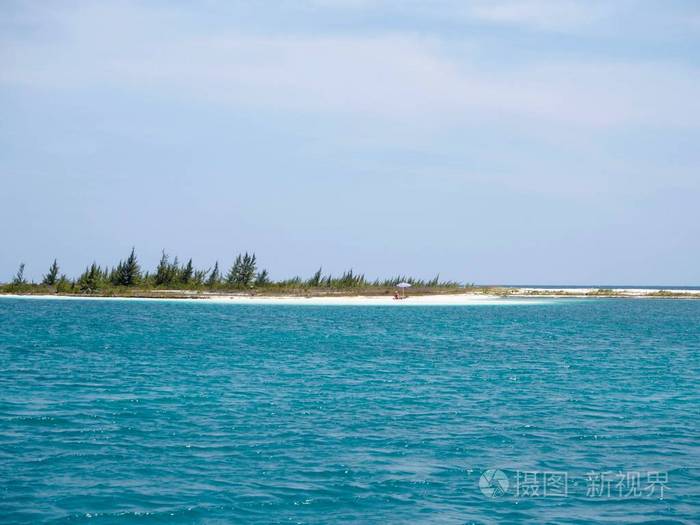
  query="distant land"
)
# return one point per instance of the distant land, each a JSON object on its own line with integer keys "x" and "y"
{"x": 243, "y": 278}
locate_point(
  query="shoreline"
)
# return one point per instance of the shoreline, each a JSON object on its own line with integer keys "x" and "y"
{"x": 488, "y": 296}
{"x": 338, "y": 300}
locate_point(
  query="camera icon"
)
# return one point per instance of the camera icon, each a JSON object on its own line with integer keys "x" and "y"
{"x": 493, "y": 483}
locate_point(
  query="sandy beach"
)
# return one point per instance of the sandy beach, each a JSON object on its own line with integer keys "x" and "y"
{"x": 617, "y": 292}
{"x": 512, "y": 296}
{"x": 358, "y": 300}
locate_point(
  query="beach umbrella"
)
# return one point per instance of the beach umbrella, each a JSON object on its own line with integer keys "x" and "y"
{"x": 403, "y": 287}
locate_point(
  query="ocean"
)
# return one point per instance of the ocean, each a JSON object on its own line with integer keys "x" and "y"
{"x": 554, "y": 411}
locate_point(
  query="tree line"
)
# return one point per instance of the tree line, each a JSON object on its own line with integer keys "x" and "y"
{"x": 172, "y": 274}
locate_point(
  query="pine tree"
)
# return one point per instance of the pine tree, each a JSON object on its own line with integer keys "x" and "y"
{"x": 174, "y": 270}
{"x": 214, "y": 276}
{"x": 262, "y": 279}
{"x": 242, "y": 272}
{"x": 234, "y": 274}
{"x": 162, "y": 270}
{"x": 62, "y": 284}
{"x": 91, "y": 279}
{"x": 19, "y": 276}
{"x": 187, "y": 272}
{"x": 316, "y": 279}
{"x": 252, "y": 269}
{"x": 248, "y": 268}
{"x": 50, "y": 278}
{"x": 128, "y": 273}
{"x": 199, "y": 277}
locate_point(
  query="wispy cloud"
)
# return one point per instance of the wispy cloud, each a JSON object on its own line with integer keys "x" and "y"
{"x": 567, "y": 117}
{"x": 550, "y": 15}
{"x": 539, "y": 15}
{"x": 393, "y": 75}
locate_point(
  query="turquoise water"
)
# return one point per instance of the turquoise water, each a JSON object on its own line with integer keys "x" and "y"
{"x": 181, "y": 412}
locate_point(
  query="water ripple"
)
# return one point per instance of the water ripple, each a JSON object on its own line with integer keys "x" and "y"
{"x": 136, "y": 412}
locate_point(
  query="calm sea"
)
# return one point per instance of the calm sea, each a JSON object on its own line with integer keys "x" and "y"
{"x": 567, "y": 411}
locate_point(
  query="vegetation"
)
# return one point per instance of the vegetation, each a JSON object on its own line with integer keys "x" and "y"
{"x": 169, "y": 277}
{"x": 669, "y": 293}
{"x": 601, "y": 291}
{"x": 242, "y": 271}
{"x": 262, "y": 279}
{"x": 127, "y": 273}
{"x": 93, "y": 278}
{"x": 51, "y": 277}
{"x": 214, "y": 277}
{"x": 172, "y": 279}
{"x": 19, "y": 279}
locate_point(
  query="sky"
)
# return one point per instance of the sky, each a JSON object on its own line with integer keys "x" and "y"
{"x": 496, "y": 142}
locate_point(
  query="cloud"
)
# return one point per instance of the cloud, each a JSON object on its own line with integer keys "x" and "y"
{"x": 550, "y": 15}
{"x": 539, "y": 15}
{"x": 398, "y": 76}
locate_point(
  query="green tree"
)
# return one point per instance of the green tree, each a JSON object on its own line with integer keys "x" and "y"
{"x": 199, "y": 277}
{"x": 262, "y": 279}
{"x": 51, "y": 277}
{"x": 91, "y": 279}
{"x": 233, "y": 277}
{"x": 63, "y": 284}
{"x": 127, "y": 273}
{"x": 242, "y": 272}
{"x": 315, "y": 279}
{"x": 174, "y": 270}
{"x": 163, "y": 274}
{"x": 187, "y": 272}
{"x": 19, "y": 276}
{"x": 214, "y": 276}
{"x": 248, "y": 270}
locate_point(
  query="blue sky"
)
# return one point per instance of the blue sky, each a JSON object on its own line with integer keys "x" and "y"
{"x": 494, "y": 142}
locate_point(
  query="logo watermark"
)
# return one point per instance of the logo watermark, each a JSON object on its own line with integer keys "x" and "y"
{"x": 496, "y": 483}
{"x": 493, "y": 483}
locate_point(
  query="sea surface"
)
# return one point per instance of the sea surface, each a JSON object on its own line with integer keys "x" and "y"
{"x": 561, "y": 411}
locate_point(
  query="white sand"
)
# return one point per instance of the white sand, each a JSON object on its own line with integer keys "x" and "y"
{"x": 519, "y": 296}
{"x": 424, "y": 300}
{"x": 631, "y": 292}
